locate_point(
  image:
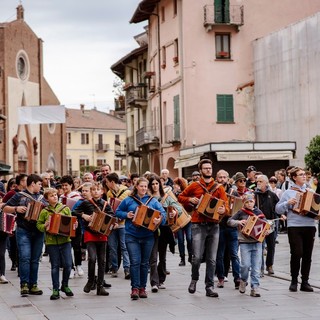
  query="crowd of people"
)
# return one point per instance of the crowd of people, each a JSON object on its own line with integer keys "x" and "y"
{"x": 211, "y": 235}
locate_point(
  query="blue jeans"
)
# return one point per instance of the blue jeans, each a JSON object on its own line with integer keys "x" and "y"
{"x": 228, "y": 236}
{"x": 30, "y": 244}
{"x": 117, "y": 237}
{"x": 186, "y": 230}
{"x": 60, "y": 256}
{"x": 205, "y": 239}
{"x": 251, "y": 258}
{"x": 139, "y": 250}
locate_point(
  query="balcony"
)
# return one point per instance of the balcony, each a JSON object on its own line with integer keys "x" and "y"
{"x": 101, "y": 147}
{"x": 146, "y": 136}
{"x": 219, "y": 16}
{"x": 132, "y": 149}
{"x": 172, "y": 134}
{"x": 120, "y": 149}
{"x": 148, "y": 74}
{"x": 136, "y": 94}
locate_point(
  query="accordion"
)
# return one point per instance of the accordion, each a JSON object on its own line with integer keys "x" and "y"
{"x": 144, "y": 216}
{"x": 208, "y": 206}
{"x": 60, "y": 224}
{"x": 256, "y": 228}
{"x": 69, "y": 202}
{"x": 235, "y": 204}
{"x": 114, "y": 203}
{"x": 33, "y": 210}
{"x": 308, "y": 204}
{"x": 7, "y": 221}
{"x": 102, "y": 223}
{"x": 181, "y": 221}
{"x": 170, "y": 221}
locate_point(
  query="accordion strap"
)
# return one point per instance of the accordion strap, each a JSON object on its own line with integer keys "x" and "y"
{"x": 57, "y": 211}
{"x": 31, "y": 198}
{"x": 140, "y": 202}
{"x": 212, "y": 189}
{"x": 104, "y": 205}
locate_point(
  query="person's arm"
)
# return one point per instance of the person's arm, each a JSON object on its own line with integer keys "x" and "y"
{"x": 42, "y": 220}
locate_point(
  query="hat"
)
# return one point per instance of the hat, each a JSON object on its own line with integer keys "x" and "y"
{"x": 239, "y": 176}
{"x": 121, "y": 178}
{"x": 247, "y": 197}
{"x": 251, "y": 168}
{"x": 196, "y": 173}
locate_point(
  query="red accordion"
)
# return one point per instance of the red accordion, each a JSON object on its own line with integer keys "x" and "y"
{"x": 256, "y": 228}
{"x": 208, "y": 206}
{"x": 144, "y": 217}
{"x": 60, "y": 224}
{"x": 308, "y": 204}
{"x": 7, "y": 221}
{"x": 114, "y": 203}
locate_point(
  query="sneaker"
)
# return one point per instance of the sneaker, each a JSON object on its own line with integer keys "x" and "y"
{"x": 35, "y": 290}
{"x": 24, "y": 291}
{"x": 167, "y": 272}
{"x": 3, "y": 279}
{"x": 255, "y": 292}
{"x": 193, "y": 286}
{"x": 225, "y": 279}
{"x": 261, "y": 274}
{"x": 211, "y": 293}
{"x": 88, "y": 287}
{"x": 143, "y": 293}
{"x": 305, "y": 286}
{"x": 67, "y": 291}
{"x": 80, "y": 271}
{"x": 242, "y": 286}
{"x": 127, "y": 275}
{"x": 55, "y": 295}
{"x": 135, "y": 294}
{"x": 114, "y": 274}
{"x": 270, "y": 271}
{"x": 154, "y": 289}
{"x": 220, "y": 283}
{"x": 161, "y": 286}
{"x": 237, "y": 284}
{"x": 13, "y": 267}
{"x": 72, "y": 274}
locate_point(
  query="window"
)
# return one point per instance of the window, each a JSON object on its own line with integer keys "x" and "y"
{"x": 117, "y": 139}
{"x": 176, "y": 51}
{"x": 223, "y": 46}
{"x": 175, "y": 7}
{"x": 68, "y": 137}
{"x": 225, "y": 108}
{"x": 83, "y": 162}
{"x": 117, "y": 164}
{"x": 163, "y": 14}
{"x": 84, "y": 138}
{"x": 164, "y": 57}
{"x": 100, "y": 162}
{"x": 221, "y": 11}
{"x": 69, "y": 166}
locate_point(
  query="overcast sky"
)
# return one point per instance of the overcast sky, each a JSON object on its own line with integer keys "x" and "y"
{"x": 82, "y": 39}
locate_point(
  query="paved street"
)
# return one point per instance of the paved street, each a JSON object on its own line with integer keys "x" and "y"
{"x": 174, "y": 302}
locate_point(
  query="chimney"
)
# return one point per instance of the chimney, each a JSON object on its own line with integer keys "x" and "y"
{"x": 82, "y": 108}
{"x": 20, "y": 12}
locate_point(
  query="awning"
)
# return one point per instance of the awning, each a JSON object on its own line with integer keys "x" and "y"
{"x": 189, "y": 161}
{"x": 4, "y": 168}
{"x": 254, "y": 155}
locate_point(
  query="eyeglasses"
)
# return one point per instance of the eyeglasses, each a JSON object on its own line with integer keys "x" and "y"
{"x": 301, "y": 175}
{"x": 241, "y": 180}
{"x": 206, "y": 168}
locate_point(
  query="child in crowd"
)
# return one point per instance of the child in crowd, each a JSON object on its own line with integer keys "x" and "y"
{"x": 250, "y": 249}
{"x": 58, "y": 246}
{"x": 96, "y": 242}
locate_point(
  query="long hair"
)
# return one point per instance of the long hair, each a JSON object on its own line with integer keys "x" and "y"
{"x": 157, "y": 178}
{"x": 135, "y": 190}
{"x": 182, "y": 182}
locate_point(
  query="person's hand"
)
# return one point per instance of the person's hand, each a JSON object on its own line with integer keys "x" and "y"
{"x": 194, "y": 200}
{"x": 87, "y": 217}
{"x": 222, "y": 210}
{"x": 156, "y": 221}
{"x": 283, "y": 217}
{"x": 21, "y": 209}
{"x": 242, "y": 223}
{"x": 292, "y": 201}
{"x": 130, "y": 215}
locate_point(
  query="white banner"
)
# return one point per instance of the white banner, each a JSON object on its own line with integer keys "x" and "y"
{"x": 41, "y": 115}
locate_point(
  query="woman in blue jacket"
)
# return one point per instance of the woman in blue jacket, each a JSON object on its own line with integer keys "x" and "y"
{"x": 139, "y": 240}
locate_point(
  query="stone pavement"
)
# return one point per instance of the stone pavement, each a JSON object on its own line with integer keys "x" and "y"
{"x": 174, "y": 302}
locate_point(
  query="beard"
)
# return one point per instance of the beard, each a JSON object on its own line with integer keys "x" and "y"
{"x": 205, "y": 176}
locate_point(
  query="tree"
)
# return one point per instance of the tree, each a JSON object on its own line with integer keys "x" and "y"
{"x": 119, "y": 93}
{"x": 312, "y": 158}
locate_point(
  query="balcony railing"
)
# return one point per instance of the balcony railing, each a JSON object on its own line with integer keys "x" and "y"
{"x": 231, "y": 15}
{"x": 137, "y": 94}
{"x": 147, "y": 135}
{"x": 172, "y": 133}
{"x": 101, "y": 147}
{"x": 120, "y": 149}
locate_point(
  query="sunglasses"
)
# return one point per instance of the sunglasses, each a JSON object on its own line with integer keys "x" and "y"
{"x": 241, "y": 180}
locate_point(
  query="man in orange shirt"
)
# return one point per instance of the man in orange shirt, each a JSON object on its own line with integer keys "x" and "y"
{"x": 205, "y": 231}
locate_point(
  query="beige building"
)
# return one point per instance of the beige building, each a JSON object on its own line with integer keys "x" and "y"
{"x": 94, "y": 138}
{"x": 200, "y": 83}
{"x": 28, "y": 148}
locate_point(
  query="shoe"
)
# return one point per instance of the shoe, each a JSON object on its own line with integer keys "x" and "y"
{"x": 67, "y": 291}
{"x": 211, "y": 293}
{"x": 35, "y": 290}
{"x": 45, "y": 254}
{"x": 237, "y": 284}
{"x": 182, "y": 263}
{"x": 24, "y": 290}
{"x": 55, "y": 295}
{"x": 88, "y": 287}
{"x": 167, "y": 272}
{"x": 293, "y": 286}
{"x": 106, "y": 285}
{"x": 220, "y": 283}
{"x": 143, "y": 293}
{"x": 127, "y": 275}
{"x": 13, "y": 267}
{"x": 277, "y": 241}
{"x": 193, "y": 286}
{"x": 261, "y": 274}
{"x": 101, "y": 291}
{"x": 225, "y": 279}
{"x": 242, "y": 286}
{"x": 270, "y": 271}
{"x": 80, "y": 271}
{"x": 3, "y": 279}
{"x": 72, "y": 274}
{"x": 255, "y": 292}
{"x": 154, "y": 289}
{"x": 94, "y": 285}
{"x": 162, "y": 286}
{"x": 135, "y": 294}
{"x": 114, "y": 274}
{"x": 305, "y": 286}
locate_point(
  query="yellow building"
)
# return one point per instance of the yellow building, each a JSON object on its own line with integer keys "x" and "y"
{"x": 94, "y": 138}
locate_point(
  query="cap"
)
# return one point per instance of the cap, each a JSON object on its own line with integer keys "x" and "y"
{"x": 196, "y": 173}
{"x": 239, "y": 176}
{"x": 251, "y": 168}
{"x": 123, "y": 178}
{"x": 247, "y": 197}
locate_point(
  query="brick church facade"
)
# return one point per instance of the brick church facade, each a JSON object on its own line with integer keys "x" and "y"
{"x": 31, "y": 148}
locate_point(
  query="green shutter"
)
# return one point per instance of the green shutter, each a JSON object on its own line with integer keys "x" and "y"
{"x": 221, "y": 11}
{"x": 176, "y": 117}
{"x": 225, "y": 108}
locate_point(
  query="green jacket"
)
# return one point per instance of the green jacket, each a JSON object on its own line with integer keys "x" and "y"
{"x": 51, "y": 239}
